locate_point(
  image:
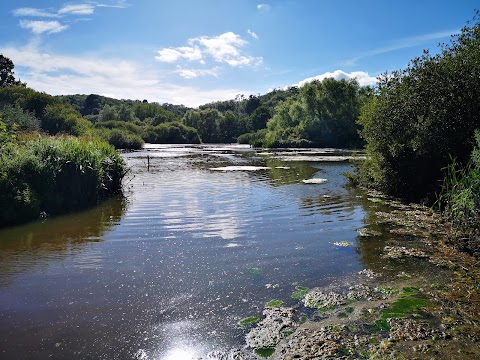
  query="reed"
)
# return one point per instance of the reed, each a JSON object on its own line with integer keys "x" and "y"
{"x": 55, "y": 175}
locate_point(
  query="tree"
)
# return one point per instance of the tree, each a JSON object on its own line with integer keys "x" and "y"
{"x": 93, "y": 105}
{"x": 15, "y": 116}
{"x": 6, "y": 73}
{"x": 422, "y": 117}
{"x": 258, "y": 119}
{"x": 323, "y": 114}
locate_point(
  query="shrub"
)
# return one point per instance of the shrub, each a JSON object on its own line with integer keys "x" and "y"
{"x": 171, "y": 133}
{"x": 120, "y": 138}
{"x": 55, "y": 175}
{"x": 256, "y": 139}
{"x": 421, "y": 117}
{"x": 460, "y": 200}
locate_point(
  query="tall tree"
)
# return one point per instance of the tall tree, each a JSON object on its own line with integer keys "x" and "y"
{"x": 7, "y": 77}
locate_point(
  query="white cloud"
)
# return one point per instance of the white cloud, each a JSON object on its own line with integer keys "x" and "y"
{"x": 193, "y": 73}
{"x": 263, "y": 7}
{"x": 119, "y": 4}
{"x": 224, "y": 48}
{"x": 33, "y": 12}
{"x": 402, "y": 44}
{"x": 40, "y": 27}
{"x": 63, "y": 75}
{"x": 173, "y": 54}
{"x": 252, "y": 34}
{"x": 79, "y": 9}
{"x": 362, "y": 77}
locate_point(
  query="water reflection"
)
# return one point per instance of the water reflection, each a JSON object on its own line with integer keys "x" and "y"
{"x": 27, "y": 247}
{"x": 196, "y": 251}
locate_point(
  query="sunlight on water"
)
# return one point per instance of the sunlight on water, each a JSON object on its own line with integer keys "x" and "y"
{"x": 171, "y": 268}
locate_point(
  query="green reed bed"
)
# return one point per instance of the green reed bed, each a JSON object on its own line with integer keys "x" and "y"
{"x": 55, "y": 175}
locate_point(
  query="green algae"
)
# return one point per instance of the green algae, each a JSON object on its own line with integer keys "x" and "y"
{"x": 251, "y": 320}
{"x": 255, "y": 271}
{"x": 300, "y": 292}
{"x": 274, "y": 303}
{"x": 409, "y": 291}
{"x": 388, "y": 291}
{"x": 380, "y": 325}
{"x": 403, "y": 307}
{"x": 265, "y": 352}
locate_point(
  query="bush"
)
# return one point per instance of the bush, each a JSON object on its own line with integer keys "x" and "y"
{"x": 55, "y": 175}
{"x": 171, "y": 133}
{"x": 421, "y": 118}
{"x": 256, "y": 139}
{"x": 113, "y": 124}
{"x": 120, "y": 138}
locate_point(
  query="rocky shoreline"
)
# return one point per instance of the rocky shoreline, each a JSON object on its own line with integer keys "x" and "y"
{"x": 431, "y": 314}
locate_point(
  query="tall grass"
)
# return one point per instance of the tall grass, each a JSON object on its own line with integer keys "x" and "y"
{"x": 55, "y": 175}
{"x": 460, "y": 200}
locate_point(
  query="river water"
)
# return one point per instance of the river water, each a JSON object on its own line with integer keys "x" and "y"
{"x": 203, "y": 237}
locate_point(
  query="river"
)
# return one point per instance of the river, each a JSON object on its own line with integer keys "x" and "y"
{"x": 203, "y": 237}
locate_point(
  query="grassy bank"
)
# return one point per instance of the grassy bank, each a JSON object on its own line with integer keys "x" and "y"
{"x": 55, "y": 175}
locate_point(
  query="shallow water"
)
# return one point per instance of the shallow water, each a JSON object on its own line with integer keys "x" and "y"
{"x": 204, "y": 237}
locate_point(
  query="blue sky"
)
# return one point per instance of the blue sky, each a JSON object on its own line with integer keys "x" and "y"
{"x": 192, "y": 52}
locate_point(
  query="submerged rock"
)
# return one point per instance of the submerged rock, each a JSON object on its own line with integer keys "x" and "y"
{"x": 234, "y": 354}
{"x": 408, "y": 329}
{"x": 277, "y": 324}
{"x": 321, "y": 300}
{"x": 365, "y": 232}
{"x": 368, "y": 273}
{"x": 308, "y": 344}
{"x": 397, "y": 252}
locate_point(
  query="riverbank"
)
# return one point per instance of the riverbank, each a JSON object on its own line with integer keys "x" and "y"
{"x": 377, "y": 314}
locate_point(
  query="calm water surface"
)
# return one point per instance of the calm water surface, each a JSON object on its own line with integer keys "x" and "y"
{"x": 171, "y": 267}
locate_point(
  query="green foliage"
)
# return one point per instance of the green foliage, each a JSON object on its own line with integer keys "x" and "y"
{"x": 63, "y": 118}
{"x": 324, "y": 114}
{"x": 423, "y": 116}
{"x": 256, "y": 139}
{"x": 113, "y": 124}
{"x": 206, "y": 122}
{"x": 259, "y": 118}
{"x": 460, "y": 200}
{"x": 7, "y": 77}
{"x": 155, "y": 112}
{"x": 171, "y": 133}
{"x": 120, "y": 138}
{"x": 92, "y": 105}
{"x": 15, "y": 116}
{"x": 55, "y": 175}
{"x": 108, "y": 113}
